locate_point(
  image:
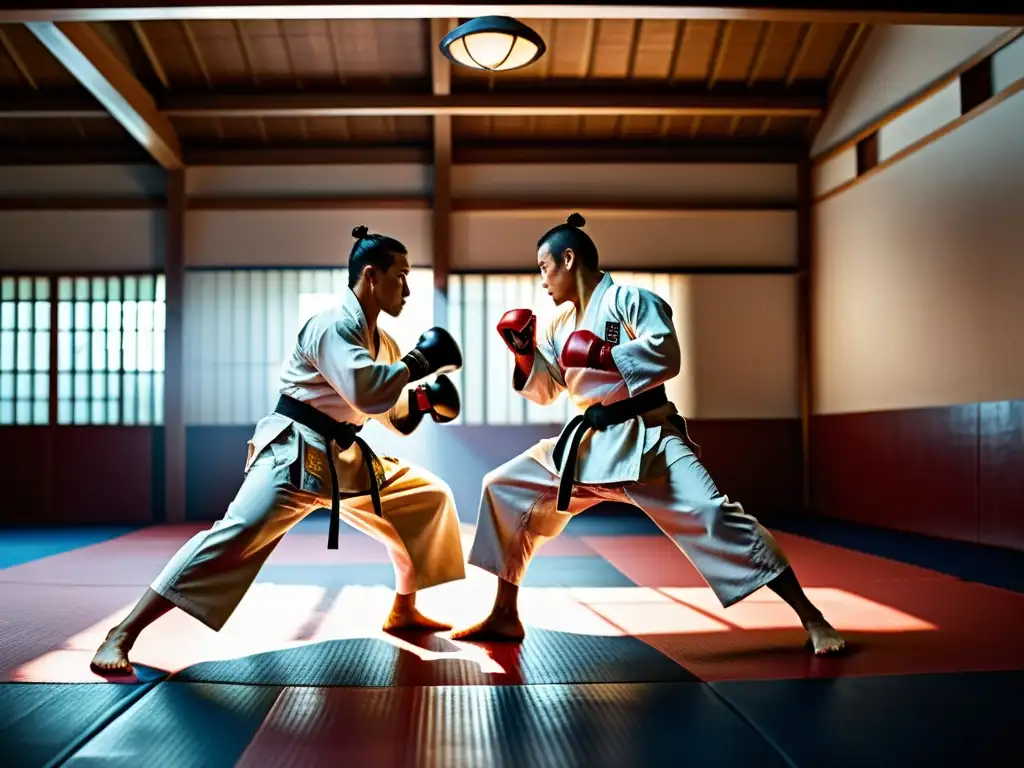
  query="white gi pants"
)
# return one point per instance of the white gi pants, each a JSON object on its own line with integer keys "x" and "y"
{"x": 730, "y": 549}
{"x": 211, "y": 573}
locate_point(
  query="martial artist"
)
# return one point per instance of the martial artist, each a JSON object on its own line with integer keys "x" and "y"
{"x": 344, "y": 369}
{"x": 612, "y": 348}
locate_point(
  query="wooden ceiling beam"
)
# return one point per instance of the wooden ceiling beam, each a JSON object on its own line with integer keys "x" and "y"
{"x": 732, "y": 151}
{"x": 497, "y": 152}
{"x": 65, "y": 154}
{"x": 872, "y": 12}
{"x": 84, "y": 54}
{"x": 746, "y": 101}
{"x": 749, "y": 102}
{"x": 47, "y": 106}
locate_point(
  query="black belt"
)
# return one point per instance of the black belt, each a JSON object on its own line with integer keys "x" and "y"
{"x": 601, "y": 417}
{"x": 333, "y": 432}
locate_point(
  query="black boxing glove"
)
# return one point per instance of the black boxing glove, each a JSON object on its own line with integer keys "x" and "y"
{"x": 439, "y": 398}
{"x": 435, "y": 352}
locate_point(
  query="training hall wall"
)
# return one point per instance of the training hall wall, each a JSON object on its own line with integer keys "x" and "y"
{"x": 918, "y": 288}
{"x": 263, "y": 243}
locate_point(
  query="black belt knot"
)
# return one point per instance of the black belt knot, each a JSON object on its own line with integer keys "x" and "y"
{"x": 600, "y": 417}
{"x": 343, "y": 435}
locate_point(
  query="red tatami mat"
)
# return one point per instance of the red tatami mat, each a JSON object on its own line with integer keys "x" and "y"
{"x": 655, "y": 561}
{"x": 898, "y": 618}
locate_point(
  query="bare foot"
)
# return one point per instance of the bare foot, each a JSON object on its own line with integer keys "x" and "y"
{"x": 112, "y": 656}
{"x": 495, "y": 628}
{"x": 824, "y": 638}
{"x": 410, "y": 619}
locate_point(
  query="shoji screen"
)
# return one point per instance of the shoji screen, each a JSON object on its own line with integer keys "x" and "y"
{"x": 240, "y": 326}
{"x": 25, "y": 350}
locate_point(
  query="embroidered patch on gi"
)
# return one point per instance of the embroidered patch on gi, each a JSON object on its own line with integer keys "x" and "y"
{"x": 315, "y": 476}
{"x": 611, "y": 333}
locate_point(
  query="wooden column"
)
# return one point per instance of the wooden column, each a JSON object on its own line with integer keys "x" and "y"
{"x": 441, "y": 241}
{"x": 805, "y": 288}
{"x": 174, "y": 374}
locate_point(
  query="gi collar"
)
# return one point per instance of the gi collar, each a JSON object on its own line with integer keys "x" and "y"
{"x": 594, "y": 305}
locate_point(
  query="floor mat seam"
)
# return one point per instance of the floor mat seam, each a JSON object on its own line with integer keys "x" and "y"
{"x": 753, "y": 726}
{"x": 102, "y": 722}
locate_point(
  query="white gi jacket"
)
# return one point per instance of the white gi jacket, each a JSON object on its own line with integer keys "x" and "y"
{"x": 334, "y": 369}
{"x": 646, "y": 353}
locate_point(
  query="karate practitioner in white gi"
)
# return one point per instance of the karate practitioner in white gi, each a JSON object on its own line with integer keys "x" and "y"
{"x": 343, "y": 370}
{"x": 612, "y": 349}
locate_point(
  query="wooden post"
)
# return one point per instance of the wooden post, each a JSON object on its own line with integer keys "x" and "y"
{"x": 441, "y": 240}
{"x": 174, "y": 374}
{"x": 805, "y": 287}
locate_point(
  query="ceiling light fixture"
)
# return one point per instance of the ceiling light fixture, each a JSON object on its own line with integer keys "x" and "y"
{"x": 493, "y": 43}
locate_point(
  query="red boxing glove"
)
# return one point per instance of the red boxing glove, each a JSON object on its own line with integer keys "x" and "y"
{"x": 518, "y": 330}
{"x": 584, "y": 349}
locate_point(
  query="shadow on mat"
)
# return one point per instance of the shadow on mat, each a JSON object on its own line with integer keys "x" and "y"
{"x": 543, "y": 658}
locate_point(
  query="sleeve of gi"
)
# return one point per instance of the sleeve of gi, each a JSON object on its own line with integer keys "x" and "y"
{"x": 369, "y": 386}
{"x": 545, "y": 382}
{"x": 394, "y": 414}
{"x": 400, "y": 410}
{"x": 652, "y": 356}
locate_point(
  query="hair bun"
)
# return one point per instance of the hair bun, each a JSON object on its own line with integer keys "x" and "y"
{"x": 575, "y": 220}
{"x": 360, "y": 232}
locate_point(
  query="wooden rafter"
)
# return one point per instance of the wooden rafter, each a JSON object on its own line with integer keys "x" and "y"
{"x": 97, "y": 68}
{"x": 800, "y": 53}
{"x": 849, "y": 55}
{"x": 147, "y": 49}
{"x": 15, "y": 57}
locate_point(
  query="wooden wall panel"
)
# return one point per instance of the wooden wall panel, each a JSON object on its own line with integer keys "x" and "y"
{"x": 679, "y": 183}
{"x": 26, "y": 485}
{"x": 65, "y": 181}
{"x": 951, "y": 472}
{"x": 755, "y": 462}
{"x": 629, "y": 239}
{"x": 107, "y": 474}
{"x": 1001, "y": 481}
{"x": 296, "y": 238}
{"x": 79, "y": 475}
{"x": 44, "y": 241}
{"x": 912, "y": 470}
{"x": 360, "y": 181}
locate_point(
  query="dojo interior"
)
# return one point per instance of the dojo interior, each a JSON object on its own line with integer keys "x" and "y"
{"x": 830, "y": 201}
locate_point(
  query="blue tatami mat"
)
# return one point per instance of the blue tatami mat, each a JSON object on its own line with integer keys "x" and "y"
{"x": 22, "y": 545}
{"x": 44, "y": 722}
